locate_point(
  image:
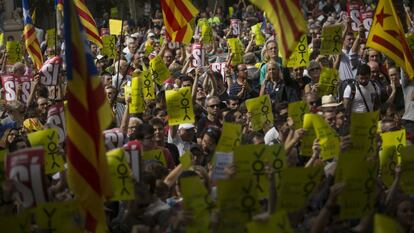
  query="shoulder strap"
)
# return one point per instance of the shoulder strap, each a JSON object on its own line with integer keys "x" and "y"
{"x": 363, "y": 97}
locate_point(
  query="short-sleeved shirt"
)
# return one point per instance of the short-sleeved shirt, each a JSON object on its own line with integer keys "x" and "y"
{"x": 358, "y": 104}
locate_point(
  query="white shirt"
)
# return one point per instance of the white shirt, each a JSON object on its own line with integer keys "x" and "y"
{"x": 182, "y": 146}
{"x": 346, "y": 68}
{"x": 358, "y": 103}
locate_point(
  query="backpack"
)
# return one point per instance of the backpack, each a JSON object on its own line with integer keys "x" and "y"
{"x": 341, "y": 88}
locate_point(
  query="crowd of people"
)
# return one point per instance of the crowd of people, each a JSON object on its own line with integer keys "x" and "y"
{"x": 368, "y": 81}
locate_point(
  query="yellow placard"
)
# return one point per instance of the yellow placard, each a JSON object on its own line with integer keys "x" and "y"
{"x": 237, "y": 201}
{"x": 179, "y": 106}
{"x": 59, "y": 217}
{"x": 15, "y": 51}
{"x": 358, "y": 197}
{"x": 388, "y": 161}
{"x": 109, "y": 46}
{"x": 185, "y": 160}
{"x": 277, "y": 222}
{"x": 251, "y": 161}
{"x": 137, "y": 100}
{"x": 196, "y": 200}
{"x": 121, "y": 175}
{"x": 115, "y": 27}
{"x": 259, "y": 37}
{"x": 364, "y": 132}
{"x": 300, "y": 56}
{"x": 147, "y": 85}
{"x": 155, "y": 155}
{"x": 394, "y": 138}
{"x": 148, "y": 48}
{"x": 230, "y": 137}
{"x": 114, "y": 12}
{"x": 159, "y": 70}
{"x": 237, "y": 49}
{"x": 206, "y": 33}
{"x": 327, "y": 137}
{"x": 407, "y": 167}
{"x": 1, "y": 39}
{"x": 331, "y": 40}
{"x": 328, "y": 81}
{"x": 296, "y": 187}
{"x": 231, "y": 11}
{"x": 51, "y": 37}
{"x": 310, "y": 135}
{"x": 296, "y": 111}
{"x": 20, "y": 223}
{"x": 385, "y": 224}
{"x": 48, "y": 138}
{"x": 260, "y": 110}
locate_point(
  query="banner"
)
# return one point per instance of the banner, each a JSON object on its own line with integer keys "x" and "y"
{"x": 121, "y": 176}
{"x": 137, "y": 104}
{"x": 157, "y": 154}
{"x": 159, "y": 70}
{"x": 310, "y": 135}
{"x": 197, "y": 52}
{"x": 133, "y": 153}
{"x": 260, "y": 109}
{"x": 297, "y": 185}
{"x": 49, "y": 73}
{"x": 327, "y": 137}
{"x": 196, "y": 200}
{"x": 147, "y": 85}
{"x": 407, "y": 167}
{"x": 328, "y": 81}
{"x": 51, "y": 38}
{"x": 388, "y": 162}
{"x": 221, "y": 160}
{"x": 9, "y": 87}
{"x": 385, "y": 224}
{"x": 230, "y": 137}
{"x": 219, "y": 67}
{"x": 237, "y": 49}
{"x": 115, "y": 27}
{"x": 394, "y": 138}
{"x": 15, "y": 51}
{"x": 296, "y": 111}
{"x": 237, "y": 202}
{"x": 206, "y": 33}
{"x": 363, "y": 132}
{"x": 109, "y": 46}
{"x": 358, "y": 15}
{"x": 20, "y": 223}
{"x": 179, "y": 106}
{"x": 300, "y": 56}
{"x": 331, "y": 43}
{"x": 235, "y": 27}
{"x": 48, "y": 138}
{"x": 260, "y": 39}
{"x": 114, "y": 138}
{"x": 59, "y": 217}
{"x": 26, "y": 168}
{"x": 25, "y": 83}
{"x": 56, "y": 120}
{"x": 358, "y": 197}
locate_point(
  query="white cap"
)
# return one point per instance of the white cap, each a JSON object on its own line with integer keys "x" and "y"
{"x": 150, "y": 34}
{"x": 186, "y": 126}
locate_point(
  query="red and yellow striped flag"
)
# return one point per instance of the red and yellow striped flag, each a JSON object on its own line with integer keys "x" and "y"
{"x": 387, "y": 36}
{"x": 177, "y": 16}
{"x": 29, "y": 32}
{"x": 88, "y": 23}
{"x": 288, "y": 21}
{"x": 88, "y": 114}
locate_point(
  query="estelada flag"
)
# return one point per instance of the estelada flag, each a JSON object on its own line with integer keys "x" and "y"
{"x": 288, "y": 21}
{"x": 387, "y": 36}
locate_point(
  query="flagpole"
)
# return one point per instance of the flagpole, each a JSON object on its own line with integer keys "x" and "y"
{"x": 119, "y": 60}
{"x": 56, "y": 28}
